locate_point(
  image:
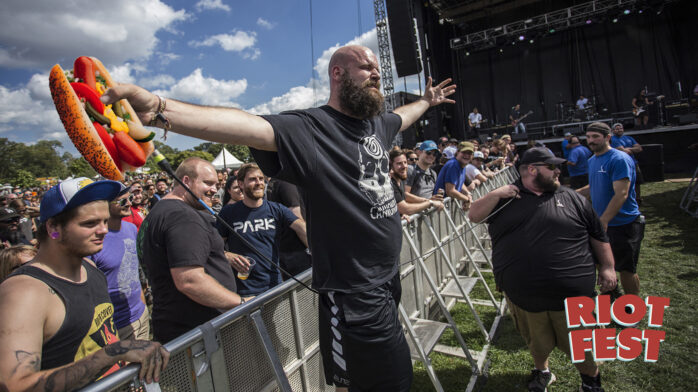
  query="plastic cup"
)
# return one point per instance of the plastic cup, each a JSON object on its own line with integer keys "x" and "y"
{"x": 245, "y": 275}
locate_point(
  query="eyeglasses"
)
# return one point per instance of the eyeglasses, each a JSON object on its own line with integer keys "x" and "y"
{"x": 550, "y": 166}
{"x": 412, "y": 159}
{"x": 123, "y": 202}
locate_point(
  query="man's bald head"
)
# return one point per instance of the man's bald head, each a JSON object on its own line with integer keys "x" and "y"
{"x": 344, "y": 56}
{"x": 191, "y": 167}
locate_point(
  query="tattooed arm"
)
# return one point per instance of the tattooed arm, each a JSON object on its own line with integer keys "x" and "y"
{"x": 25, "y": 313}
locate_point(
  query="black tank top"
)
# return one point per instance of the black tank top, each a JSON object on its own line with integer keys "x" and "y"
{"x": 89, "y": 323}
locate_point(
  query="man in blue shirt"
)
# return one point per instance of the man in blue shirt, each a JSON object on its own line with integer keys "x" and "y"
{"x": 261, "y": 223}
{"x": 566, "y": 145}
{"x": 612, "y": 190}
{"x": 628, "y": 145}
{"x": 452, "y": 177}
{"x": 577, "y": 164}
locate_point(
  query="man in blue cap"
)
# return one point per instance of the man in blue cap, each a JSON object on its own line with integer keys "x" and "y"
{"x": 421, "y": 177}
{"x": 68, "y": 339}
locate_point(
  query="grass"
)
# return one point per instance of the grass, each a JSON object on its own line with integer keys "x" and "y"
{"x": 668, "y": 267}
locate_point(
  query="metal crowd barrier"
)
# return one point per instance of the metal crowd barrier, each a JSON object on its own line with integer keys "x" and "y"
{"x": 271, "y": 342}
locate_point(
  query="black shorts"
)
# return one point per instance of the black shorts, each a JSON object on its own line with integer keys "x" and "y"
{"x": 361, "y": 340}
{"x": 625, "y": 243}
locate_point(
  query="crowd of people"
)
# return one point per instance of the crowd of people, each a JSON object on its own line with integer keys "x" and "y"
{"x": 94, "y": 258}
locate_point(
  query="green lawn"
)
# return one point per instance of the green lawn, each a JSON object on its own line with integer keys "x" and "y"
{"x": 668, "y": 268}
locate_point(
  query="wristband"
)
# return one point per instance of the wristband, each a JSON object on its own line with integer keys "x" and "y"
{"x": 159, "y": 116}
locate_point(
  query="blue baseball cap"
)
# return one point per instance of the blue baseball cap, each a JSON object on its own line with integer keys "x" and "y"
{"x": 74, "y": 193}
{"x": 428, "y": 145}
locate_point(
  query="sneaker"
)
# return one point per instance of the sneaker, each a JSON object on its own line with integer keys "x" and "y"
{"x": 591, "y": 384}
{"x": 540, "y": 380}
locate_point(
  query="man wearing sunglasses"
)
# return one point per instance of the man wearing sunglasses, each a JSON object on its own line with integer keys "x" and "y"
{"x": 452, "y": 178}
{"x": 118, "y": 261}
{"x": 10, "y": 233}
{"x": 421, "y": 177}
{"x": 544, "y": 241}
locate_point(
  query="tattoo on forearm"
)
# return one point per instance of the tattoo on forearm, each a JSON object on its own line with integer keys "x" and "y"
{"x": 28, "y": 361}
{"x": 123, "y": 346}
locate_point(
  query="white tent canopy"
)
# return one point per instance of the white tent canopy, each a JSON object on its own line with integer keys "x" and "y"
{"x": 226, "y": 159}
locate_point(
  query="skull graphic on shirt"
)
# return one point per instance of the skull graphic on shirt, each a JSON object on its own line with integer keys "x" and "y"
{"x": 374, "y": 179}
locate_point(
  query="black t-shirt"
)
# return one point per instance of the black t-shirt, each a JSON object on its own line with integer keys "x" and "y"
{"x": 285, "y": 193}
{"x": 176, "y": 235}
{"x": 515, "y": 114}
{"x": 541, "y": 248}
{"x": 341, "y": 166}
{"x": 398, "y": 190}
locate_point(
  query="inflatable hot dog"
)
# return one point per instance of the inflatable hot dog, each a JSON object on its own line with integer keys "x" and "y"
{"x": 111, "y": 138}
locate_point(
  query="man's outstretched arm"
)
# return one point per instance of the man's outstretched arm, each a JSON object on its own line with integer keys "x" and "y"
{"x": 216, "y": 124}
{"x": 433, "y": 95}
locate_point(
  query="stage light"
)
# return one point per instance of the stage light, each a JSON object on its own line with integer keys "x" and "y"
{"x": 639, "y": 12}
{"x": 501, "y": 50}
{"x": 531, "y": 41}
{"x": 551, "y": 31}
{"x": 467, "y": 53}
{"x": 615, "y": 20}
{"x": 521, "y": 38}
{"x": 626, "y": 12}
{"x": 588, "y": 21}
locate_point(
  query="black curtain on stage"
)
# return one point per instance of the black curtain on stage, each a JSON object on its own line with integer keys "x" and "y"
{"x": 611, "y": 61}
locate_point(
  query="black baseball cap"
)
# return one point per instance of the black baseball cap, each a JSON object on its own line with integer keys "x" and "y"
{"x": 540, "y": 154}
{"x": 7, "y": 214}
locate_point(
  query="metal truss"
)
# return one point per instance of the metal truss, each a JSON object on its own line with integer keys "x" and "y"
{"x": 550, "y": 22}
{"x": 384, "y": 53}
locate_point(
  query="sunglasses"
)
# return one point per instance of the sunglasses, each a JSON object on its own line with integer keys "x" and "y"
{"x": 550, "y": 166}
{"x": 431, "y": 152}
{"x": 412, "y": 159}
{"x": 11, "y": 220}
{"x": 123, "y": 202}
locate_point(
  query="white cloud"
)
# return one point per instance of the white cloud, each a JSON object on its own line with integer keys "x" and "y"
{"x": 37, "y": 34}
{"x": 29, "y": 108}
{"x": 157, "y": 81}
{"x": 240, "y": 41}
{"x": 211, "y": 5}
{"x": 206, "y": 90}
{"x": 265, "y": 23}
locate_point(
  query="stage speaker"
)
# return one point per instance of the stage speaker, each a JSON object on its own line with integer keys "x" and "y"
{"x": 519, "y": 137}
{"x": 402, "y": 37}
{"x": 651, "y": 161}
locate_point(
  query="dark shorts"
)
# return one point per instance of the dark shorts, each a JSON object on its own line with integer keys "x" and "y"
{"x": 625, "y": 243}
{"x": 361, "y": 340}
{"x": 577, "y": 182}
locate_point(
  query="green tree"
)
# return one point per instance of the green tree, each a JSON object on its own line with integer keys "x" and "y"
{"x": 24, "y": 179}
{"x": 177, "y": 158}
{"x": 78, "y": 167}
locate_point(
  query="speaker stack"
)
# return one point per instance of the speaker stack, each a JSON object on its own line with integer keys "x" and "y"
{"x": 651, "y": 161}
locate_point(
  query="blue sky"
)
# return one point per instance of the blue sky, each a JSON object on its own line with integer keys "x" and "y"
{"x": 250, "y": 54}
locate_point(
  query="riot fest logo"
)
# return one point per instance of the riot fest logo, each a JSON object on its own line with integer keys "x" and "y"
{"x": 602, "y": 341}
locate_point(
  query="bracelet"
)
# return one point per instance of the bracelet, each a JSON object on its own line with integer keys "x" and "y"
{"x": 242, "y": 300}
{"x": 159, "y": 116}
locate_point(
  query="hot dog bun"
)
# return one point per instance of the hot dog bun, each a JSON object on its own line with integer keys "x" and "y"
{"x": 79, "y": 127}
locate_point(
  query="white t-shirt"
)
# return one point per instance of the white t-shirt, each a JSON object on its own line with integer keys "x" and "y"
{"x": 471, "y": 171}
{"x": 475, "y": 118}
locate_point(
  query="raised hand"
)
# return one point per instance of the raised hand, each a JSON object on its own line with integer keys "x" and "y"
{"x": 436, "y": 95}
{"x": 143, "y": 101}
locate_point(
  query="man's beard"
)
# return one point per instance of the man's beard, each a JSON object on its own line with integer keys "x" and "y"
{"x": 360, "y": 101}
{"x": 249, "y": 192}
{"x": 545, "y": 184}
{"x": 400, "y": 175}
